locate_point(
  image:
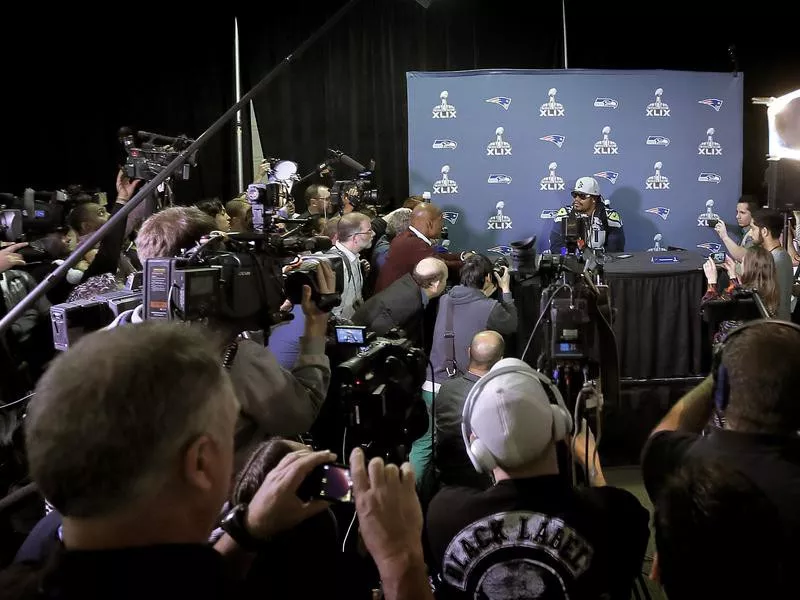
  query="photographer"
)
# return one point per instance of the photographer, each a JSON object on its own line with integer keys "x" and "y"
{"x": 137, "y": 457}
{"x": 758, "y": 272}
{"x": 273, "y": 401}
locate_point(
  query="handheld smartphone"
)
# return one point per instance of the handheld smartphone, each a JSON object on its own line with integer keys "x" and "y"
{"x": 718, "y": 257}
{"x": 327, "y": 482}
{"x": 351, "y": 334}
{"x": 711, "y": 223}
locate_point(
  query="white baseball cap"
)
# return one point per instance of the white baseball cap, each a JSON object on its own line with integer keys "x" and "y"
{"x": 587, "y": 185}
{"x": 512, "y": 415}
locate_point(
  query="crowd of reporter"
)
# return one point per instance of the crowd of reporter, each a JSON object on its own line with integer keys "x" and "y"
{"x": 173, "y": 473}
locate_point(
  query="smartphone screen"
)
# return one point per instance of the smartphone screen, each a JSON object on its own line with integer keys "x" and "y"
{"x": 346, "y": 334}
{"x": 328, "y": 482}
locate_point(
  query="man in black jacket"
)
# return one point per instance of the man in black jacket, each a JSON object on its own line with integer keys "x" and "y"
{"x": 403, "y": 303}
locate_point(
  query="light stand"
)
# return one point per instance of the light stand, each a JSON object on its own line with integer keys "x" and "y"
{"x": 151, "y": 186}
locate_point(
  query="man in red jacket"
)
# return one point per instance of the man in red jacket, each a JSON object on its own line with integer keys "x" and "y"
{"x": 411, "y": 246}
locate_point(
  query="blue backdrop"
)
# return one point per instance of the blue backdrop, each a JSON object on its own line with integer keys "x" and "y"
{"x": 500, "y": 150}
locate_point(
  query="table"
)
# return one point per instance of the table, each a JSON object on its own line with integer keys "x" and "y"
{"x": 659, "y": 329}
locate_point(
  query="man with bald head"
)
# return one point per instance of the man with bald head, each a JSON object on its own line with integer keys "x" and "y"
{"x": 403, "y": 304}
{"x": 410, "y": 247}
{"x": 454, "y": 466}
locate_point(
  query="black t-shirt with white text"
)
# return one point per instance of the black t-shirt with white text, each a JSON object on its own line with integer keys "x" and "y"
{"x": 537, "y": 538}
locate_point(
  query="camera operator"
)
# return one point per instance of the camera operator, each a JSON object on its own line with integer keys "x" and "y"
{"x": 754, "y": 390}
{"x": 531, "y": 530}
{"x": 464, "y": 311}
{"x": 404, "y": 304}
{"x": 241, "y": 214}
{"x": 106, "y": 267}
{"x": 318, "y": 201}
{"x": 137, "y": 457}
{"x": 354, "y": 234}
{"x": 273, "y": 401}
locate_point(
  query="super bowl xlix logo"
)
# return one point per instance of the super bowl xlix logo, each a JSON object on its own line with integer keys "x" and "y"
{"x": 657, "y": 181}
{"x": 709, "y": 147}
{"x": 658, "y": 108}
{"x": 443, "y": 110}
{"x": 499, "y": 220}
{"x": 606, "y": 146}
{"x": 552, "y": 183}
{"x": 445, "y": 185}
{"x": 498, "y": 146}
{"x": 551, "y": 108}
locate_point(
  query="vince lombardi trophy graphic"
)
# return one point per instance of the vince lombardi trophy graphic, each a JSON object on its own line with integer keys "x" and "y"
{"x": 656, "y": 243}
{"x": 708, "y": 218}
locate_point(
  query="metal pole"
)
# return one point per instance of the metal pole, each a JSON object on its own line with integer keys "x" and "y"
{"x": 564, "y": 29}
{"x": 238, "y": 94}
{"x": 149, "y": 187}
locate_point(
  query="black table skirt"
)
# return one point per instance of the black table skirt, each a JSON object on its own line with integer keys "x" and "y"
{"x": 658, "y": 327}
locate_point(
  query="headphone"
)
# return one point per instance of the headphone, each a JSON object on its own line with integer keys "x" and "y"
{"x": 480, "y": 456}
{"x": 721, "y": 382}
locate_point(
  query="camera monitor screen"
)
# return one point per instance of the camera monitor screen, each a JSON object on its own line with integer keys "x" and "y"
{"x": 351, "y": 334}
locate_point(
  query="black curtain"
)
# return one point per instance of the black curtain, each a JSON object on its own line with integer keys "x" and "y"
{"x": 71, "y": 80}
{"x": 348, "y": 92}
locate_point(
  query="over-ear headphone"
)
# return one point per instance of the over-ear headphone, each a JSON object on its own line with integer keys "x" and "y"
{"x": 477, "y": 451}
{"x": 721, "y": 382}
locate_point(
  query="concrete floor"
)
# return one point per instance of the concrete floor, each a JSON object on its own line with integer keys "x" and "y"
{"x": 630, "y": 478}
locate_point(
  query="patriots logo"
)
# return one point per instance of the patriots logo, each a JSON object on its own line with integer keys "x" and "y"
{"x": 500, "y": 101}
{"x": 661, "y": 211}
{"x": 549, "y": 213}
{"x": 450, "y": 216}
{"x": 714, "y": 103}
{"x": 710, "y": 246}
{"x": 558, "y": 140}
{"x": 504, "y": 250}
{"x": 609, "y": 175}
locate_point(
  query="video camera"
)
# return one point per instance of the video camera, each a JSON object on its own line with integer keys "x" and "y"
{"x": 38, "y": 213}
{"x": 380, "y": 393}
{"x": 236, "y": 279}
{"x": 359, "y": 192}
{"x": 575, "y": 308}
{"x": 148, "y": 159}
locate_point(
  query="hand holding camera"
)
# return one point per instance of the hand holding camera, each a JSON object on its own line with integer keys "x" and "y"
{"x": 721, "y": 229}
{"x": 710, "y": 269}
{"x": 730, "y": 267}
{"x": 503, "y": 277}
{"x": 276, "y": 507}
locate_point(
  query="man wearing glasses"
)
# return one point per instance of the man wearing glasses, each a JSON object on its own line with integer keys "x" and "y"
{"x": 604, "y": 228}
{"x": 355, "y": 233}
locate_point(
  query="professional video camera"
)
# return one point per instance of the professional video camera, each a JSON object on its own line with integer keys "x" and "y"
{"x": 359, "y": 192}
{"x": 234, "y": 279}
{"x": 577, "y": 344}
{"x": 38, "y": 213}
{"x": 148, "y": 159}
{"x": 379, "y": 390}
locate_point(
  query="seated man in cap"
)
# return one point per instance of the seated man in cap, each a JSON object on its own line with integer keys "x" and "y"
{"x": 605, "y": 224}
{"x": 532, "y": 534}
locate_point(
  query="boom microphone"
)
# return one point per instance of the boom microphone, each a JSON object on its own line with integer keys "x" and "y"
{"x": 163, "y": 138}
{"x": 350, "y": 162}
